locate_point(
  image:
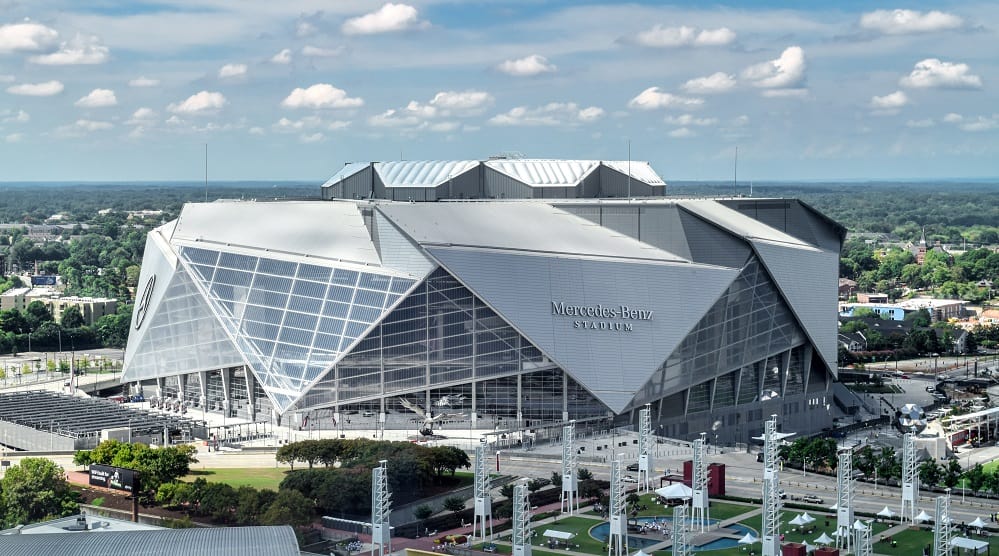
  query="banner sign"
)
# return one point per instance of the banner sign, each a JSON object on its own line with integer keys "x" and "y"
{"x": 116, "y": 478}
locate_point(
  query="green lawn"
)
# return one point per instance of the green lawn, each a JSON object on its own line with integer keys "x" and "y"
{"x": 260, "y": 478}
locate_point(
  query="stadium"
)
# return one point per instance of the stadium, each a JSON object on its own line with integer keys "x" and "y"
{"x": 530, "y": 292}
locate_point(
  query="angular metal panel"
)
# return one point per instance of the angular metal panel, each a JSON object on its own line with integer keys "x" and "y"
{"x": 610, "y": 353}
{"x": 712, "y": 245}
{"x": 326, "y": 229}
{"x": 808, "y": 279}
{"x": 398, "y": 251}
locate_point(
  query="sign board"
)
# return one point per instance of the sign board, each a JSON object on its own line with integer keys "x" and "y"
{"x": 116, "y": 478}
{"x": 43, "y": 280}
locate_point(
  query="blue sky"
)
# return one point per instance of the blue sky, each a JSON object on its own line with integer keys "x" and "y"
{"x": 293, "y": 89}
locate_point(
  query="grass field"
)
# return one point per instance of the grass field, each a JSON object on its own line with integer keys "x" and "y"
{"x": 260, "y": 478}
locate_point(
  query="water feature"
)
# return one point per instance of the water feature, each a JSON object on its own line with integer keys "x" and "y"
{"x": 602, "y": 531}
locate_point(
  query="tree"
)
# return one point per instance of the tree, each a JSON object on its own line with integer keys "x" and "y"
{"x": 72, "y": 317}
{"x": 288, "y": 508}
{"x": 952, "y": 473}
{"x": 34, "y": 490}
{"x": 453, "y": 504}
{"x": 422, "y": 512}
{"x": 584, "y": 474}
{"x": 557, "y": 478}
{"x": 930, "y": 472}
{"x": 36, "y": 313}
{"x": 975, "y": 477}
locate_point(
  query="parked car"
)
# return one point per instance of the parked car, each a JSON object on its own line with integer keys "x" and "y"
{"x": 811, "y": 499}
{"x": 628, "y": 479}
{"x": 632, "y": 467}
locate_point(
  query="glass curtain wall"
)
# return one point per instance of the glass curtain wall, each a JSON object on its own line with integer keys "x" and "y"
{"x": 749, "y": 323}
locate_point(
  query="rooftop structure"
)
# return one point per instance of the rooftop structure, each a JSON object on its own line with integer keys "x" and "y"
{"x": 434, "y": 180}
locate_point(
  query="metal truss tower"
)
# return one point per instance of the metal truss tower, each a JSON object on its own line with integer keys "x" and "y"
{"x": 770, "y": 534}
{"x": 483, "y": 502}
{"x": 570, "y": 487}
{"x": 646, "y": 464}
{"x": 699, "y": 484}
{"x": 617, "y": 538}
{"x": 942, "y": 526}
{"x": 862, "y": 539}
{"x": 910, "y": 478}
{"x": 844, "y": 501}
{"x": 381, "y": 507}
{"x": 521, "y": 521}
{"x": 680, "y": 547}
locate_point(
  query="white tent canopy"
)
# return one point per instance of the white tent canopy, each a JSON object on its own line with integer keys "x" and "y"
{"x": 807, "y": 518}
{"x": 886, "y": 512}
{"x": 748, "y": 539}
{"x": 675, "y": 490}
{"x": 923, "y": 516}
{"x": 640, "y": 553}
{"x": 971, "y": 544}
{"x": 798, "y": 520}
{"x": 860, "y": 526}
{"x": 834, "y": 507}
{"x": 978, "y": 523}
{"x": 824, "y": 539}
{"x": 561, "y": 535}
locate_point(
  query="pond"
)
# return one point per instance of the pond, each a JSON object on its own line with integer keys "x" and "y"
{"x": 601, "y": 532}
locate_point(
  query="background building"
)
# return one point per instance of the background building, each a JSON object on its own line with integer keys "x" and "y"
{"x": 507, "y": 314}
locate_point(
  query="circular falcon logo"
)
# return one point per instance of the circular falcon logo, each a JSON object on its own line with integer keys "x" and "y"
{"x": 143, "y": 306}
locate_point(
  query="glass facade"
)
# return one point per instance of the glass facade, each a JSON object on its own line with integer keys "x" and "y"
{"x": 747, "y": 330}
{"x": 441, "y": 339}
{"x": 291, "y": 320}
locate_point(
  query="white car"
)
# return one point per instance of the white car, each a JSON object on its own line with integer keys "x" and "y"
{"x": 628, "y": 479}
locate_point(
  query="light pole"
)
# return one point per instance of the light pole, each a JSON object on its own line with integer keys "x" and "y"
{"x": 497, "y": 460}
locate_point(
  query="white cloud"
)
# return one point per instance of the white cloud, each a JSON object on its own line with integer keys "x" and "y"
{"x": 312, "y": 137}
{"x": 928, "y": 122}
{"x": 527, "y": 66}
{"x": 715, "y": 83}
{"x": 144, "y": 82}
{"x": 787, "y": 71}
{"x": 142, "y": 116}
{"x": 98, "y": 98}
{"x": 4, "y": 78}
{"x": 317, "y": 52}
{"x": 229, "y": 71}
{"x": 204, "y": 102}
{"x": 387, "y": 19}
{"x": 82, "y": 50}
{"x": 891, "y": 101}
{"x": 900, "y": 22}
{"x": 14, "y": 138}
{"x": 785, "y": 93}
{"x": 653, "y": 98}
{"x": 981, "y": 123}
{"x": 444, "y": 127}
{"x": 321, "y": 95}
{"x": 305, "y": 29}
{"x": 671, "y": 37}
{"x": 282, "y": 58}
{"x": 26, "y": 37}
{"x": 256, "y": 130}
{"x": 337, "y": 125}
{"x": 470, "y": 100}
{"x": 285, "y": 125}
{"x": 46, "y": 89}
{"x": 681, "y": 133}
{"x": 551, "y": 114}
{"x": 932, "y": 73}
{"x": 19, "y": 117}
{"x": 394, "y": 118}
{"x": 953, "y": 118}
{"x": 92, "y": 125}
{"x": 688, "y": 120}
